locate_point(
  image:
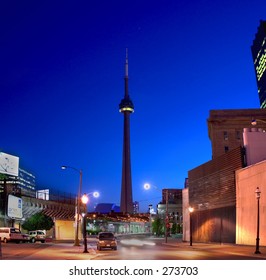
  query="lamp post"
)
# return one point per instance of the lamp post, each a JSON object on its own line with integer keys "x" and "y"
{"x": 76, "y": 241}
{"x": 190, "y": 209}
{"x": 147, "y": 186}
{"x": 166, "y": 214}
{"x": 258, "y": 192}
{"x": 85, "y": 199}
{"x": 255, "y": 121}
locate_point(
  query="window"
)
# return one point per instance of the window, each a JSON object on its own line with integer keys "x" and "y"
{"x": 226, "y": 149}
{"x": 238, "y": 135}
{"x": 225, "y": 135}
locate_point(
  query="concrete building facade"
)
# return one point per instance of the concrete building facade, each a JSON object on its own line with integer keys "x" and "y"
{"x": 247, "y": 180}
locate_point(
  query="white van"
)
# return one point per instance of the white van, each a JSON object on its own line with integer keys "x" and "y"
{"x": 37, "y": 235}
{"x": 11, "y": 234}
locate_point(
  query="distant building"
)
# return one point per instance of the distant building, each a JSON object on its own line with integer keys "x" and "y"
{"x": 172, "y": 205}
{"x": 225, "y": 128}
{"x": 258, "y": 50}
{"x": 135, "y": 207}
{"x": 106, "y": 208}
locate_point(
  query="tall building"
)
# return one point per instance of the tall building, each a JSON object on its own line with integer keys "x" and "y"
{"x": 24, "y": 183}
{"x": 126, "y": 107}
{"x": 225, "y": 127}
{"x": 258, "y": 50}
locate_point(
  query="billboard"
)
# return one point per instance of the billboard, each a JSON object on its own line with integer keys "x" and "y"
{"x": 14, "y": 207}
{"x": 9, "y": 164}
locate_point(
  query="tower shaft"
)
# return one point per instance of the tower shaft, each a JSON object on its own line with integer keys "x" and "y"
{"x": 126, "y": 201}
{"x": 126, "y": 107}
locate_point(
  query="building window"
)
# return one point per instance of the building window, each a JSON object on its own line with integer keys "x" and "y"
{"x": 238, "y": 135}
{"x": 226, "y": 149}
{"x": 225, "y": 135}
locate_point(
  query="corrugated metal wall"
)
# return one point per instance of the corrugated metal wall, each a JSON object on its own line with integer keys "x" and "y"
{"x": 212, "y": 194}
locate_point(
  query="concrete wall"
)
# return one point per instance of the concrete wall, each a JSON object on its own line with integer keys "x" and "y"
{"x": 247, "y": 180}
{"x": 255, "y": 145}
{"x": 65, "y": 230}
{"x": 186, "y": 224}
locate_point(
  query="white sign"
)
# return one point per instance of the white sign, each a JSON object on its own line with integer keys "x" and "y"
{"x": 14, "y": 207}
{"x": 9, "y": 164}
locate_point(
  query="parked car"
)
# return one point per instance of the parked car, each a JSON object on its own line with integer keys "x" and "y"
{"x": 11, "y": 234}
{"x": 37, "y": 235}
{"x": 106, "y": 240}
{"x": 26, "y": 237}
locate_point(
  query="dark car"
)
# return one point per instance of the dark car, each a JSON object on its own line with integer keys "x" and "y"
{"x": 106, "y": 240}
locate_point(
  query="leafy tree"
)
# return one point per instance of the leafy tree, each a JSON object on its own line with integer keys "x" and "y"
{"x": 38, "y": 221}
{"x": 174, "y": 228}
{"x": 158, "y": 226}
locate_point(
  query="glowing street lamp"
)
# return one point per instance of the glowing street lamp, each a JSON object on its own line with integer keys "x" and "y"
{"x": 258, "y": 192}
{"x": 147, "y": 186}
{"x": 190, "y": 209}
{"x": 255, "y": 121}
{"x": 76, "y": 242}
{"x": 84, "y": 200}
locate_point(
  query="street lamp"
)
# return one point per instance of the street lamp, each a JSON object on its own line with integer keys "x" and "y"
{"x": 147, "y": 186}
{"x": 255, "y": 121}
{"x": 85, "y": 199}
{"x": 190, "y": 209}
{"x": 258, "y": 192}
{"x": 76, "y": 242}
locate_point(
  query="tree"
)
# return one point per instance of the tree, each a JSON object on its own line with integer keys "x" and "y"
{"x": 158, "y": 226}
{"x": 174, "y": 228}
{"x": 38, "y": 221}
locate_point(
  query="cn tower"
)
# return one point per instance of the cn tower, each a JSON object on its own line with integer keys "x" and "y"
{"x": 126, "y": 107}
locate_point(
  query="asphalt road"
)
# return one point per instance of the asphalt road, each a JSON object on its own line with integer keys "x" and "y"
{"x": 131, "y": 249}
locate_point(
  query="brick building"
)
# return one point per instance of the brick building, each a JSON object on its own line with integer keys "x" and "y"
{"x": 225, "y": 127}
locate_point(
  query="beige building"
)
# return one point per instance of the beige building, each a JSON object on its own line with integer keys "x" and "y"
{"x": 247, "y": 180}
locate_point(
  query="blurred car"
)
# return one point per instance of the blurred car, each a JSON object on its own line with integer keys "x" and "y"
{"x": 106, "y": 240}
{"x": 11, "y": 234}
{"x": 37, "y": 235}
{"x": 26, "y": 238}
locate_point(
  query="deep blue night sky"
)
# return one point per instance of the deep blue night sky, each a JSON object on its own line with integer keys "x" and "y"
{"x": 61, "y": 81}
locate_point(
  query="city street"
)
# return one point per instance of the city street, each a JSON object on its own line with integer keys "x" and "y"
{"x": 148, "y": 248}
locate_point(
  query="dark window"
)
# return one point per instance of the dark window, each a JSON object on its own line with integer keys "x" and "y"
{"x": 225, "y": 135}
{"x": 238, "y": 135}
{"x": 226, "y": 149}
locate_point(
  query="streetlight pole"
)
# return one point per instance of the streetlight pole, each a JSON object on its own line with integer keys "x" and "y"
{"x": 147, "y": 186}
{"x": 85, "y": 200}
{"x": 258, "y": 192}
{"x": 166, "y": 214}
{"x": 190, "y": 209}
{"x": 76, "y": 241}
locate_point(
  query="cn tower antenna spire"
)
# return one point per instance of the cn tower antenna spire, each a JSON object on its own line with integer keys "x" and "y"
{"x": 126, "y": 75}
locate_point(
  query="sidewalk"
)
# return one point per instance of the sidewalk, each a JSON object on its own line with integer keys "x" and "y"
{"x": 232, "y": 249}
